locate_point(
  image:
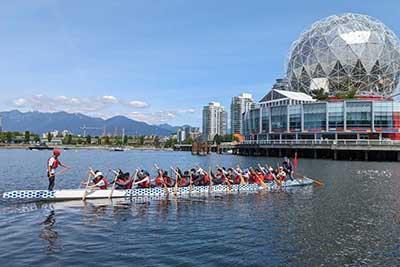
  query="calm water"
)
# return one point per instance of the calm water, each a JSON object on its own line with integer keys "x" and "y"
{"x": 354, "y": 220}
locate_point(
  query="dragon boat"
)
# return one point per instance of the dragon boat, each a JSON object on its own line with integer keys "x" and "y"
{"x": 74, "y": 194}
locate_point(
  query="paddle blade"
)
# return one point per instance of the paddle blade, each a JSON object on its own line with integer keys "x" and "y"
{"x": 316, "y": 182}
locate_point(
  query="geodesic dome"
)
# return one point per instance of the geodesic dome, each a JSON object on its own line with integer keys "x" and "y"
{"x": 339, "y": 52}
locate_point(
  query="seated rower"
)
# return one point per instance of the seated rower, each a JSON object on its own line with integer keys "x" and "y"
{"x": 123, "y": 181}
{"x": 143, "y": 179}
{"x": 197, "y": 177}
{"x": 185, "y": 178}
{"x": 227, "y": 176}
{"x": 233, "y": 178}
{"x": 169, "y": 182}
{"x": 251, "y": 177}
{"x": 281, "y": 174}
{"x": 219, "y": 177}
{"x": 238, "y": 176}
{"x": 185, "y": 181}
{"x": 98, "y": 182}
{"x": 254, "y": 176}
{"x": 202, "y": 177}
{"x": 270, "y": 176}
{"x": 159, "y": 181}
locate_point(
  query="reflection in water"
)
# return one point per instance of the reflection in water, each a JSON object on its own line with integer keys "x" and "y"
{"x": 49, "y": 234}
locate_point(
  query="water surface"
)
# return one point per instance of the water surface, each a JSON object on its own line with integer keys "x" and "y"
{"x": 351, "y": 221}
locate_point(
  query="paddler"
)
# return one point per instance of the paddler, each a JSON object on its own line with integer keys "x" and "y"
{"x": 52, "y": 164}
{"x": 98, "y": 182}
{"x": 281, "y": 174}
{"x": 143, "y": 179}
{"x": 123, "y": 181}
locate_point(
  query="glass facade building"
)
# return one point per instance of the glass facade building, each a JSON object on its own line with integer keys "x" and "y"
{"x": 314, "y": 119}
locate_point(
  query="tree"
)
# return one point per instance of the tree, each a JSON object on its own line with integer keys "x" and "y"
{"x": 125, "y": 140}
{"x": 141, "y": 140}
{"x": 157, "y": 141}
{"x": 88, "y": 139}
{"x": 320, "y": 94}
{"x": 36, "y": 138}
{"x": 49, "y": 137}
{"x": 27, "y": 136}
{"x": 189, "y": 140}
{"x": 217, "y": 139}
{"x": 9, "y": 137}
{"x": 107, "y": 140}
{"x": 171, "y": 142}
{"x": 347, "y": 89}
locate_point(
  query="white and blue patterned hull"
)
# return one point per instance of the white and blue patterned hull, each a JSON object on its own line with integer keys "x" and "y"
{"x": 71, "y": 194}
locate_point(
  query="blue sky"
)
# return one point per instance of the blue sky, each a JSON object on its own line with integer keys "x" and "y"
{"x": 157, "y": 61}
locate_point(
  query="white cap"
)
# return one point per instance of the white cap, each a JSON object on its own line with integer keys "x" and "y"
{"x": 98, "y": 174}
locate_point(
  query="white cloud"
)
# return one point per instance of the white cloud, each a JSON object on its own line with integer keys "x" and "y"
{"x": 100, "y": 106}
{"x": 138, "y": 104}
{"x": 20, "y": 102}
{"x": 110, "y": 99}
{"x": 153, "y": 117}
{"x": 64, "y": 103}
{"x": 189, "y": 110}
{"x": 72, "y": 104}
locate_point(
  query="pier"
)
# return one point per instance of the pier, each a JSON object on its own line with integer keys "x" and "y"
{"x": 359, "y": 149}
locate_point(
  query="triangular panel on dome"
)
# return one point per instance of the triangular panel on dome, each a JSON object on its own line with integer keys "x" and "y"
{"x": 376, "y": 38}
{"x": 304, "y": 80}
{"x": 297, "y": 72}
{"x": 338, "y": 70}
{"x": 318, "y": 72}
{"x": 358, "y": 49}
{"x": 337, "y": 45}
{"x": 359, "y": 71}
{"x": 370, "y": 56}
{"x": 311, "y": 59}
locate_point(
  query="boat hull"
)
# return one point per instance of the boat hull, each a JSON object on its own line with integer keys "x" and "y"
{"x": 72, "y": 194}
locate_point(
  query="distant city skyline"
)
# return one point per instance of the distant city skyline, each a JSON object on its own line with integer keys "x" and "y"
{"x": 158, "y": 63}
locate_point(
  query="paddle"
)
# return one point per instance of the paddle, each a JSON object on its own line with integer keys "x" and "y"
{"x": 133, "y": 182}
{"x": 316, "y": 182}
{"x": 63, "y": 171}
{"x": 258, "y": 178}
{"x": 87, "y": 184}
{"x": 228, "y": 181}
{"x": 190, "y": 183}
{"x": 114, "y": 182}
{"x": 164, "y": 180}
{"x": 211, "y": 182}
{"x": 177, "y": 175}
{"x": 242, "y": 181}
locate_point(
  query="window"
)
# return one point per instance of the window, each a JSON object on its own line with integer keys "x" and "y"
{"x": 358, "y": 114}
{"x": 315, "y": 117}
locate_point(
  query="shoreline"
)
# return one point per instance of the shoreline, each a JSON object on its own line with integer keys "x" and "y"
{"x": 73, "y": 147}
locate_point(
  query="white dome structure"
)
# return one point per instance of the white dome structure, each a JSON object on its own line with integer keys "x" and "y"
{"x": 342, "y": 52}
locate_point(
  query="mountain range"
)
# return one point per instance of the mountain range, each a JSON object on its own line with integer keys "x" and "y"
{"x": 42, "y": 122}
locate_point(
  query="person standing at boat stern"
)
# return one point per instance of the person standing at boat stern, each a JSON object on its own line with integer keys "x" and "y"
{"x": 288, "y": 168}
{"x": 52, "y": 164}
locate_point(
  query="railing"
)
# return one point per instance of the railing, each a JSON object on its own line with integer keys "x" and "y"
{"x": 366, "y": 142}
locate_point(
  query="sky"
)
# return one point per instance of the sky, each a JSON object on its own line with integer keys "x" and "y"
{"x": 154, "y": 61}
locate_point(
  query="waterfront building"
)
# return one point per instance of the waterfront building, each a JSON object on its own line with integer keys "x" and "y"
{"x": 342, "y": 75}
{"x": 181, "y": 135}
{"x": 214, "y": 120}
{"x": 240, "y": 104}
{"x": 187, "y": 132}
{"x": 191, "y": 132}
